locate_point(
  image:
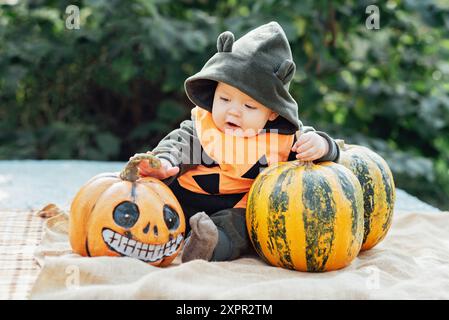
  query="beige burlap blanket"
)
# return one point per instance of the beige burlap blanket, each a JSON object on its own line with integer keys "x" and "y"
{"x": 20, "y": 233}
{"x": 411, "y": 263}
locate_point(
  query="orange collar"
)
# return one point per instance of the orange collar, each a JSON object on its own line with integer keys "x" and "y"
{"x": 229, "y": 149}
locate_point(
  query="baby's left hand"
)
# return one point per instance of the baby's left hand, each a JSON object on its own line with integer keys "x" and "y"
{"x": 310, "y": 146}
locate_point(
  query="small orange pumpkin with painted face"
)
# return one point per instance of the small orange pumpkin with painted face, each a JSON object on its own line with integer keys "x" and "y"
{"x": 121, "y": 214}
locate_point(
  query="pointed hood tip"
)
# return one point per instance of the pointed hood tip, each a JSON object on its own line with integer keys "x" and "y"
{"x": 274, "y": 69}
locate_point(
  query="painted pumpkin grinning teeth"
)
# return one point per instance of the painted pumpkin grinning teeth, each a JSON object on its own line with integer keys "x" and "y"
{"x": 139, "y": 250}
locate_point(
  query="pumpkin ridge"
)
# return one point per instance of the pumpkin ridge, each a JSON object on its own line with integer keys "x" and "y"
{"x": 251, "y": 216}
{"x": 389, "y": 193}
{"x": 319, "y": 230}
{"x": 348, "y": 190}
{"x": 87, "y": 247}
{"x": 349, "y": 193}
{"x": 360, "y": 167}
{"x": 378, "y": 220}
{"x": 94, "y": 204}
{"x": 277, "y": 233}
{"x": 133, "y": 192}
{"x": 149, "y": 188}
{"x": 253, "y": 223}
{"x": 99, "y": 196}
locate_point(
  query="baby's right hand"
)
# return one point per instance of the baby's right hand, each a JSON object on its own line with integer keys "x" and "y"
{"x": 165, "y": 171}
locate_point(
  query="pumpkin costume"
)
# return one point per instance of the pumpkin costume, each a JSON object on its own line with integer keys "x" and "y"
{"x": 217, "y": 169}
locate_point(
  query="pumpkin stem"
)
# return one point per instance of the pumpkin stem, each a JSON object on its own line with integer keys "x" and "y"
{"x": 304, "y": 163}
{"x": 131, "y": 171}
{"x": 340, "y": 143}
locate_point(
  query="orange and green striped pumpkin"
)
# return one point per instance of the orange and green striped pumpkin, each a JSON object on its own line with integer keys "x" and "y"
{"x": 306, "y": 216}
{"x": 377, "y": 183}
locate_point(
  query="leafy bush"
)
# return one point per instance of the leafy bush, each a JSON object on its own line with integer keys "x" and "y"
{"x": 115, "y": 86}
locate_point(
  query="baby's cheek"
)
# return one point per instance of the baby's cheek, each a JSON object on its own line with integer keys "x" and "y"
{"x": 254, "y": 122}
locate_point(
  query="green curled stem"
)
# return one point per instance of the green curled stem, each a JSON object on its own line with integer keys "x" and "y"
{"x": 131, "y": 170}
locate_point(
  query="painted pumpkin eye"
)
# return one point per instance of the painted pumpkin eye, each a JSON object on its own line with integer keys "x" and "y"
{"x": 126, "y": 214}
{"x": 171, "y": 218}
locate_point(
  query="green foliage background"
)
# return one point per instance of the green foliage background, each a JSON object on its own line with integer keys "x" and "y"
{"x": 115, "y": 86}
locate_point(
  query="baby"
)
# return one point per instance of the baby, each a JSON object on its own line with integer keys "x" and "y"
{"x": 244, "y": 110}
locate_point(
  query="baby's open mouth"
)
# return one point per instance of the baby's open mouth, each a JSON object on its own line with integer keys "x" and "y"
{"x": 231, "y": 125}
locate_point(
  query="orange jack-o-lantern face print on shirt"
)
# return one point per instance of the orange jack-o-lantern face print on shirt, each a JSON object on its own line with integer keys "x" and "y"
{"x": 120, "y": 214}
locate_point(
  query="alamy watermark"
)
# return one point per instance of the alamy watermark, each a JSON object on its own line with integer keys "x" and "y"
{"x": 73, "y": 277}
{"x": 373, "y": 279}
{"x": 373, "y": 20}
{"x": 227, "y": 148}
{"x": 72, "y": 22}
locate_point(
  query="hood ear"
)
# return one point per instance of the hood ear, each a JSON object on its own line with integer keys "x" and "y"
{"x": 286, "y": 71}
{"x": 273, "y": 116}
{"x": 225, "y": 41}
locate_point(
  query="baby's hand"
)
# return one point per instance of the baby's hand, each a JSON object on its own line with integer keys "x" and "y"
{"x": 310, "y": 146}
{"x": 165, "y": 171}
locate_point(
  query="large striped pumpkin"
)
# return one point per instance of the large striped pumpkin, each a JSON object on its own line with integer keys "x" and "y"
{"x": 378, "y": 187}
{"x": 306, "y": 216}
{"x": 121, "y": 214}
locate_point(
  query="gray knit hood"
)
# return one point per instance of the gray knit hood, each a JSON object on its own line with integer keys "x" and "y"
{"x": 259, "y": 64}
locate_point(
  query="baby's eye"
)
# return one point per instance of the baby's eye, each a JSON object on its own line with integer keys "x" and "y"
{"x": 249, "y": 107}
{"x": 224, "y": 99}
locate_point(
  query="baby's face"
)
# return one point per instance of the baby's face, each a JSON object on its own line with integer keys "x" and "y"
{"x": 238, "y": 114}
